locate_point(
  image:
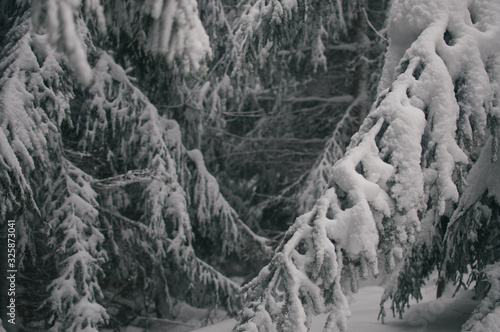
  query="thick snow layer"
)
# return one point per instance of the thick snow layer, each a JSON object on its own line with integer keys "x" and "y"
{"x": 442, "y": 315}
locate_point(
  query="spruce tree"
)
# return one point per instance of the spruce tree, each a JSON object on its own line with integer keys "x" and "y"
{"x": 107, "y": 199}
{"x": 409, "y": 184}
{"x": 326, "y": 66}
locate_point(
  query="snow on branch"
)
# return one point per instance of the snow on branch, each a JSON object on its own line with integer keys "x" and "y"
{"x": 57, "y": 19}
{"x": 451, "y": 54}
{"x": 113, "y": 134}
{"x": 33, "y": 101}
{"x": 142, "y": 139}
{"x": 22, "y": 139}
{"x": 302, "y": 278}
{"x": 485, "y": 317}
{"x": 170, "y": 29}
{"x": 266, "y": 25}
{"x": 316, "y": 180}
{"x": 174, "y": 29}
{"x": 337, "y": 243}
{"x": 168, "y": 187}
{"x": 399, "y": 174}
{"x": 216, "y": 219}
{"x": 470, "y": 242}
{"x": 477, "y": 211}
{"x": 78, "y": 246}
{"x": 203, "y": 283}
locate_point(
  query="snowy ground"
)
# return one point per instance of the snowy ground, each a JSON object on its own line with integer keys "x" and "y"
{"x": 446, "y": 314}
{"x": 443, "y": 315}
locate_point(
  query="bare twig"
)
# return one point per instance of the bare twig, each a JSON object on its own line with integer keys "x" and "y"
{"x": 371, "y": 25}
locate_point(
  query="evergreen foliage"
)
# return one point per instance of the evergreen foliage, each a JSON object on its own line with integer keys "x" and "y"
{"x": 302, "y": 110}
{"x": 460, "y": 209}
{"x": 410, "y": 184}
{"x": 100, "y": 183}
{"x": 108, "y": 111}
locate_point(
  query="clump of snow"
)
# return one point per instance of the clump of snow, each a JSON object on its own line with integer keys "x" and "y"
{"x": 177, "y": 32}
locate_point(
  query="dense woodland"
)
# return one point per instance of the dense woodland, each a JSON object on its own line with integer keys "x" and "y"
{"x": 153, "y": 153}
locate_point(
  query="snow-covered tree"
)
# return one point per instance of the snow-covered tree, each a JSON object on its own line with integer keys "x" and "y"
{"x": 35, "y": 98}
{"x": 452, "y": 226}
{"x": 100, "y": 183}
{"x": 410, "y": 184}
{"x": 280, "y": 126}
{"x": 368, "y": 45}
